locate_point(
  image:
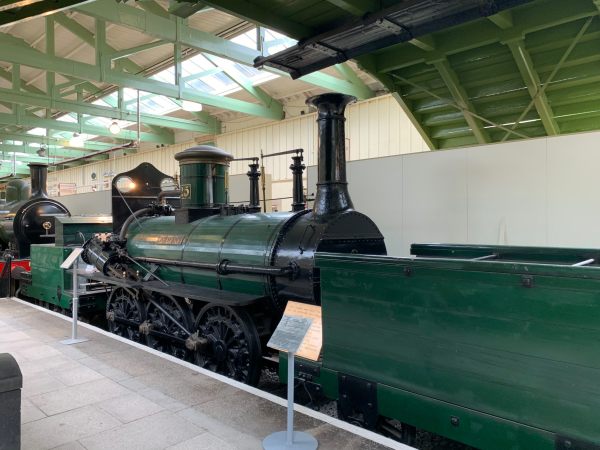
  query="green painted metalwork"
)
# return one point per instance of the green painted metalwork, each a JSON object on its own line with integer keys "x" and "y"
{"x": 491, "y": 85}
{"x": 501, "y": 338}
{"x": 23, "y": 11}
{"x": 36, "y": 122}
{"x": 50, "y": 283}
{"x": 170, "y": 30}
{"x": 241, "y": 239}
{"x": 31, "y": 138}
{"x": 57, "y": 103}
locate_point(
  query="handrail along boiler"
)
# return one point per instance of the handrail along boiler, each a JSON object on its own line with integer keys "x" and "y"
{"x": 208, "y": 281}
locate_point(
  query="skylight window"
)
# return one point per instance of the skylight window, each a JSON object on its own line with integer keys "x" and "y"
{"x": 37, "y": 131}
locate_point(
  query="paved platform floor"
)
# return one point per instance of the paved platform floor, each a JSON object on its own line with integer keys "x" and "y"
{"x": 107, "y": 394}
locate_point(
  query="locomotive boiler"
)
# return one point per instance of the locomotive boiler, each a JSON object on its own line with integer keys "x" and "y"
{"x": 26, "y": 221}
{"x": 208, "y": 281}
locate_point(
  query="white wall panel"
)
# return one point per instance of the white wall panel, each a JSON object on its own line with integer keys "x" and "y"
{"x": 375, "y": 127}
{"x": 435, "y": 204}
{"x": 540, "y": 192}
{"x": 574, "y": 190}
{"x": 507, "y": 193}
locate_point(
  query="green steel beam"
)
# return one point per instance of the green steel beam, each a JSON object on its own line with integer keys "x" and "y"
{"x": 245, "y": 84}
{"x": 368, "y": 65}
{"x": 346, "y": 71}
{"x": 533, "y": 83}
{"x": 108, "y": 112}
{"x": 168, "y": 30}
{"x": 204, "y": 73}
{"x": 89, "y": 38}
{"x": 185, "y": 9}
{"x": 89, "y": 146}
{"x": 426, "y": 43}
{"x": 503, "y": 19}
{"x": 33, "y": 150}
{"x": 483, "y": 32}
{"x": 7, "y": 169}
{"x": 171, "y": 30}
{"x": 597, "y": 3}
{"x": 262, "y": 16}
{"x": 19, "y": 54}
{"x": 115, "y": 55}
{"x": 462, "y": 99}
{"x": 152, "y": 7}
{"x": 357, "y": 7}
{"x": 37, "y": 122}
{"x": 335, "y": 84}
{"x": 33, "y": 9}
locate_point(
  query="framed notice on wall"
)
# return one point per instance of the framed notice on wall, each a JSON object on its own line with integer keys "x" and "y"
{"x": 67, "y": 189}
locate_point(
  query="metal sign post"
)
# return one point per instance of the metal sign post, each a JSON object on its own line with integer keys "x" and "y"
{"x": 288, "y": 337}
{"x": 71, "y": 261}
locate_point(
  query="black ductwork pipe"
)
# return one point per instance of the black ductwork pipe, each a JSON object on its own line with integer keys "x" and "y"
{"x": 332, "y": 188}
{"x": 39, "y": 179}
{"x": 298, "y": 189}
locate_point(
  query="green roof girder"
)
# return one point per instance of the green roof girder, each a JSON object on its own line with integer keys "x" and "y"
{"x": 103, "y": 111}
{"x": 36, "y": 122}
{"x": 12, "y": 52}
{"x": 356, "y": 7}
{"x": 89, "y": 38}
{"x": 267, "y": 18}
{"x": 33, "y": 139}
{"x": 460, "y": 39}
{"x": 175, "y": 30}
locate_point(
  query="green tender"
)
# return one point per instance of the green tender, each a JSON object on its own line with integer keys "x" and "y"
{"x": 51, "y": 284}
{"x": 509, "y": 347}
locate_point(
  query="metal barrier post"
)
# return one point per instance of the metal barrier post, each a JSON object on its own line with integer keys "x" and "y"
{"x": 72, "y": 261}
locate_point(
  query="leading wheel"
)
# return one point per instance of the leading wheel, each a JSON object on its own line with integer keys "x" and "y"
{"x": 125, "y": 313}
{"x": 233, "y": 347}
{"x": 168, "y": 322}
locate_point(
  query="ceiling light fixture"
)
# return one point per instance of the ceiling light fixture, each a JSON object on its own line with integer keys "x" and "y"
{"x": 186, "y": 105}
{"x": 114, "y": 127}
{"x": 77, "y": 140}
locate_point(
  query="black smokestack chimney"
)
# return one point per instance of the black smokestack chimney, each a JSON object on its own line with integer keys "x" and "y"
{"x": 298, "y": 189}
{"x": 254, "y": 175}
{"x": 39, "y": 178}
{"x": 332, "y": 189}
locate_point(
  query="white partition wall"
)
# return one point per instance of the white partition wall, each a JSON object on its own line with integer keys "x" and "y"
{"x": 538, "y": 192}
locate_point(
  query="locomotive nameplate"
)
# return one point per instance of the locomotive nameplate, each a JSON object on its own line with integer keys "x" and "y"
{"x": 290, "y": 333}
{"x": 313, "y": 341}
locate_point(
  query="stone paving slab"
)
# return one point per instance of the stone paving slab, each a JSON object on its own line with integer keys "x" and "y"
{"x": 107, "y": 394}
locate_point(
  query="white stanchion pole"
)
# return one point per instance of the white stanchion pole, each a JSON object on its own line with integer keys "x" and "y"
{"x": 290, "y": 439}
{"x": 74, "y": 308}
{"x": 290, "y": 400}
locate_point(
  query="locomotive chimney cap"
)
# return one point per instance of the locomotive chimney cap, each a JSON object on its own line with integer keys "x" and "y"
{"x": 333, "y": 98}
{"x": 37, "y": 164}
{"x": 204, "y": 154}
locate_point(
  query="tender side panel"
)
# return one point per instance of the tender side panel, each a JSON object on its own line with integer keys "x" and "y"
{"x": 468, "y": 335}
